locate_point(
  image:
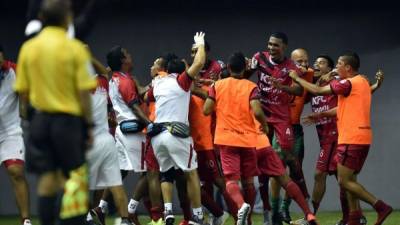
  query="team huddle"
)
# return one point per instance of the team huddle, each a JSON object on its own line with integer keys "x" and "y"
{"x": 199, "y": 125}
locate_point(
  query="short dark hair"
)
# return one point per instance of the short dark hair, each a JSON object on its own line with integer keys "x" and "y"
{"x": 166, "y": 58}
{"x": 176, "y": 66}
{"x": 237, "y": 63}
{"x": 352, "y": 59}
{"x": 282, "y": 36}
{"x": 114, "y": 58}
{"x": 54, "y": 12}
{"x": 331, "y": 63}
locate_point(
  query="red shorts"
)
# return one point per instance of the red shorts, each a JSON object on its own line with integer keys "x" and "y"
{"x": 284, "y": 135}
{"x": 207, "y": 166}
{"x": 238, "y": 162}
{"x": 352, "y": 156}
{"x": 269, "y": 163}
{"x": 326, "y": 159}
{"x": 150, "y": 158}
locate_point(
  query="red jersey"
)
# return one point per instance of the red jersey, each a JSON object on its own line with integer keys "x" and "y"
{"x": 275, "y": 102}
{"x": 326, "y": 126}
{"x": 214, "y": 68}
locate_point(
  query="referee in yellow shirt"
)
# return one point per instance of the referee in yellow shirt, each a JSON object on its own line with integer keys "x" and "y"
{"x": 55, "y": 77}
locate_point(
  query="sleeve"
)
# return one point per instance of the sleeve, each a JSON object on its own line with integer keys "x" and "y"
{"x": 150, "y": 95}
{"x": 341, "y": 87}
{"x": 128, "y": 91}
{"x": 184, "y": 81}
{"x": 85, "y": 79}
{"x": 254, "y": 94}
{"x": 212, "y": 92}
{"x": 22, "y": 82}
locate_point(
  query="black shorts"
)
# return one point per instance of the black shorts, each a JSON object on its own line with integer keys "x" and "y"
{"x": 55, "y": 141}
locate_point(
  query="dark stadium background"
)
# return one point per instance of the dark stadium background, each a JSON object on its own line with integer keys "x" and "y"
{"x": 150, "y": 28}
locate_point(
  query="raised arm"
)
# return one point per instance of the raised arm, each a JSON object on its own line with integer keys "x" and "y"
{"x": 259, "y": 114}
{"x": 379, "y": 80}
{"x": 200, "y": 57}
{"x": 310, "y": 87}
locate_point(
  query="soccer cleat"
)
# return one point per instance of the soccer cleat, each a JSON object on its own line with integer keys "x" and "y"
{"x": 341, "y": 222}
{"x": 197, "y": 221}
{"x": 311, "y": 219}
{"x": 276, "y": 219}
{"x": 363, "y": 220}
{"x": 184, "y": 222}
{"x": 219, "y": 220}
{"x": 126, "y": 222}
{"x": 243, "y": 214}
{"x": 266, "y": 218}
{"x": 158, "y": 222}
{"x": 169, "y": 218}
{"x": 301, "y": 221}
{"x": 26, "y": 222}
{"x": 98, "y": 216}
{"x": 133, "y": 218}
{"x": 383, "y": 211}
{"x": 285, "y": 216}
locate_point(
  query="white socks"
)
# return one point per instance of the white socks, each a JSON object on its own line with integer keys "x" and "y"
{"x": 103, "y": 206}
{"x": 133, "y": 204}
{"x": 198, "y": 212}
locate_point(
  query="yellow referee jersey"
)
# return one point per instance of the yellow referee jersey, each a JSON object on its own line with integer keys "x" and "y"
{"x": 52, "y": 69}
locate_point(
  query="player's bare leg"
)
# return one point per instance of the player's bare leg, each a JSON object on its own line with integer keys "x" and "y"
{"x": 249, "y": 194}
{"x": 194, "y": 193}
{"x": 153, "y": 179}
{"x": 319, "y": 189}
{"x": 181, "y": 186}
{"x": 141, "y": 190}
{"x": 120, "y": 199}
{"x": 347, "y": 180}
{"x": 48, "y": 186}
{"x": 21, "y": 189}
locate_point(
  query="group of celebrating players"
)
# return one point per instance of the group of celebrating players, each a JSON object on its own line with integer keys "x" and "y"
{"x": 199, "y": 125}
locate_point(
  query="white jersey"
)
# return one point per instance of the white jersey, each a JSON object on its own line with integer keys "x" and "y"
{"x": 99, "y": 107}
{"x": 122, "y": 92}
{"x": 172, "y": 97}
{"x": 10, "y": 122}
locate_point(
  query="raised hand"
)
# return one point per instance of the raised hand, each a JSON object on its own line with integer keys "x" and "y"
{"x": 199, "y": 38}
{"x": 379, "y": 76}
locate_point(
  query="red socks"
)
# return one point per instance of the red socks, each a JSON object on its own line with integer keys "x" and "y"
{"x": 383, "y": 211}
{"x": 294, "y": 192}
{"x": 232, "y": 187}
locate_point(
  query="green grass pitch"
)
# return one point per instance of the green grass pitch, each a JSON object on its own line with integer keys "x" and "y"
{"x": 324, "y": 218}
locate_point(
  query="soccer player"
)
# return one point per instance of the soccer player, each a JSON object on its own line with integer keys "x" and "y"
{"x": 201, "y": 128}
{"x": 355, "y": 135}
{"x": 276, "y": 90}
{"x": 131, "y": 119}
{"x": 233, "y": 100}
{"x": 103, "y": 157}
{"x": 327, "y": 134}
{"x": 61, "y": 125}
{"x": 12, "y": 148}
{"x": 270, "y": 165}
{"x": 171, "y": 140}
{"x": 300, "y": 57}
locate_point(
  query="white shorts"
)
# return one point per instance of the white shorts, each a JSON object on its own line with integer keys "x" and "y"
{"x": 12, "y": 147}
{"x": 131, "y": 150}
{"x": 175, "y": 152}
{"x": 103, "y": 163}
